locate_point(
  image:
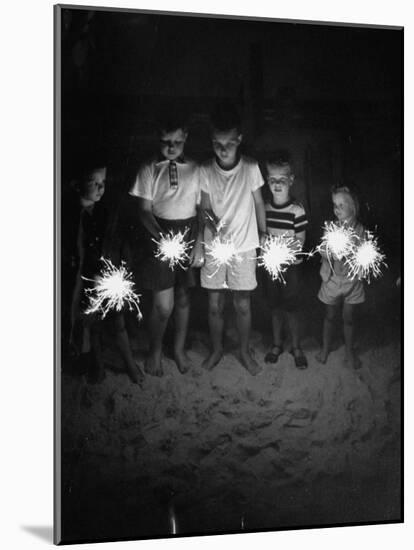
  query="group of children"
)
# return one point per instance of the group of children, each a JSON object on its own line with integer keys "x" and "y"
{"x": 223, "y": 197}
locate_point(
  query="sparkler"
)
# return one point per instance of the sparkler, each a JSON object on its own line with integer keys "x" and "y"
{"x": 222, "y": 251}
{"x": 366, "y": 259}
{"x": 173, "y": 248}
{"x": 338, "y": 240}
{"x": 113, "y": 290}
{"x": 278, "y": 253}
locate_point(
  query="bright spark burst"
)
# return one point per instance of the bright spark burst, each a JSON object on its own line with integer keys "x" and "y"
{"x": 173, "y": 248}
{"x": 338, "y": 240}
{"x": 278, "y": 253}
{"x": 366, "y": 259}
{"x": 222, "y": 251}
{"x": 113, "y": 290}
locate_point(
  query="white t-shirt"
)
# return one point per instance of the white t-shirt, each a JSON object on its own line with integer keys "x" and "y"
{"x": 231, "y": 198}
{"x": 153, "y": 183}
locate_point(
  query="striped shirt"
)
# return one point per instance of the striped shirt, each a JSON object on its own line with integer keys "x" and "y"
{"x": 289, "y": 218}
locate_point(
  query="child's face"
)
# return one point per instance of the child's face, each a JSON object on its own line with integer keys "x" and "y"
{"x": 279, "y": 180}
{"x": 172, "y": 144}
{"x": 343, "y": 207}
{"x": 94, "y": 187}
{"x": 225, "y": 145}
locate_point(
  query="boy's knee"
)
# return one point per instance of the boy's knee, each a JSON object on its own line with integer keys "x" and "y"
{"x": 164, "y": 311}
{"x": 242, "y": 304}
{"x": 182, "y": 298}
{"x": 216, "y": 306}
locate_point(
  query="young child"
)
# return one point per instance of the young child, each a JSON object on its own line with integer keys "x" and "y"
{"x": 84, "y": 227}
{"x": 337, "y": 287}
{"x": 84, "y": 221}
{"x": 233, "y": 208}
{"x": 284, "y": 216}
{"x": 168, "y": 189}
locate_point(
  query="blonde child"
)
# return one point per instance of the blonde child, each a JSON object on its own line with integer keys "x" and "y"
{"x": 338, "y": 290}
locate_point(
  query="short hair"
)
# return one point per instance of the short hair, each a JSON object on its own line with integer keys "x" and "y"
{"x": 280, "y": 159}
{"x": 171, "y": 119}
{"x": 350, "y": 193}
{"x": 225, "y": 117}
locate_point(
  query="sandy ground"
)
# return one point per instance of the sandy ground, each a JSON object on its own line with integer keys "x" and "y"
{"x": 220, "y": 451}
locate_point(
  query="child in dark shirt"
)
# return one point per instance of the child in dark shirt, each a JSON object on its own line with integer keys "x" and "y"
{"x": 84, "y": 226}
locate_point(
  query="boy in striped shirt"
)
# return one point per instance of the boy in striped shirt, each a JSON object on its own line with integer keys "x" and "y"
{"x": 284, "y": 216}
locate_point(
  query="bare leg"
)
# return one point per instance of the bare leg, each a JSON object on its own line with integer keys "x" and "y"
{"x": 181, "y": 315}
{"x": 241, "y": 301}
{"x": 122, "y": 340}
{"x": 328, "y": 327}
{"x": 277, "y": 326}
{"x": 216, "y": 324}
{"x": 162, "y": 306}
{"x": 294, "y": 327}
{"x": 348, "y": 318}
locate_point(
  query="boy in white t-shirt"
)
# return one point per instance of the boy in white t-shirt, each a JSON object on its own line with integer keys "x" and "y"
{"x": 168, "y": 188}
{"x": 232, "y": 202}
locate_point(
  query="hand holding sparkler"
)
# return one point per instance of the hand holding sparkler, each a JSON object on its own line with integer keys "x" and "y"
{"x": 113, "y": 290}
{"x": 173, "y": 248}
{"x": 278, "y": 253}
{"x": 338, "y": 241}
{"x": 366, "y": 259}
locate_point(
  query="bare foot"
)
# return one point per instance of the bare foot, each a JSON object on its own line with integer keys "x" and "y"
{"x": 183, "y": 361}
{"x": 353, "y": 361}
{"x": 153, "y": 365}
{"x": 135, "y": 374}
{"x": 249, "y": 363}
{"x": 212, "y": 360}
{"x": 322, "y": 356}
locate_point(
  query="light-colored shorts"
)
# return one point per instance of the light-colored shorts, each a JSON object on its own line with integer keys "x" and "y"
{"x": 337, "y": 288}
{"x": 240, "y": 274}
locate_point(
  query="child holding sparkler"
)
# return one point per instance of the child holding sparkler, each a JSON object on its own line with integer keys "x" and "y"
{"x": 168, "y": 190}
{"x": 84, "y": 228}
{"x": 285, "y": 218}
{"x": 84, "y": 221}
{"x": 233, "y": 206}
{"x": 338, "y": 287}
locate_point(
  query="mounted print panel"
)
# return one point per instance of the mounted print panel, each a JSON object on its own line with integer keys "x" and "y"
{"x": 228, "y": 274}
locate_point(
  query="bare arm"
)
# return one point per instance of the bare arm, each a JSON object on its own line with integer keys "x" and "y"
{"x": 260, "y": 211}
{"x": 300, "y": 237}
{"x": 207, "y": 216}
{"x": 148, "y": 218}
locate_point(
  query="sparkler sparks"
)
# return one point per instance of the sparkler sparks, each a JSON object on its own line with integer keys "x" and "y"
{"x": 338, "y": 240}
{"x": 222, "y": 251}
{"x": 113, "y": 290}
{"x": 173, "y": 248}
{"x": 366, "y": 259}
{"x": 278, "y": 253}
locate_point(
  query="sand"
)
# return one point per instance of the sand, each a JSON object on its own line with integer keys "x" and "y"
{"x": 217, "y": 451}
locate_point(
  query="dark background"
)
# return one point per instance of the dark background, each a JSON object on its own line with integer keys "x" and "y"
{"x": 330, "y": 95}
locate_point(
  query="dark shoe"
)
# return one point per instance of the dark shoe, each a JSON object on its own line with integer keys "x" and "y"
{"x": 300, "y": 360}
{"x": 273, "y": 355}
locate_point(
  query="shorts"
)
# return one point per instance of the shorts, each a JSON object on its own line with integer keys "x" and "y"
{"x": 240, "y": 274}
{"x": 338, "y": 288}
{"x": 284, "y": 295}
{"x": 158, "y": 275}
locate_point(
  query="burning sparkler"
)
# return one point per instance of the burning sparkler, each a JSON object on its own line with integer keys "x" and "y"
{"x": 113, "y": 290}
{"x": 366, "y": 259}
{"x": 222, "y": 251}
{"x": 173, "y": 248}
{"x": 278, "y": 253}
{"x": 338, "y": 240}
